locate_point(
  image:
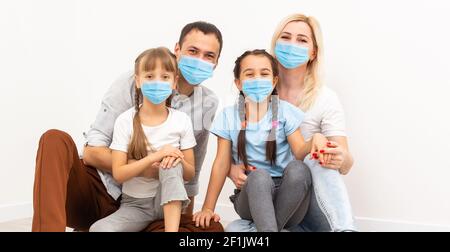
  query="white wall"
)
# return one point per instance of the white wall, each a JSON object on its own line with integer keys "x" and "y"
{"x": 387, "y": 60}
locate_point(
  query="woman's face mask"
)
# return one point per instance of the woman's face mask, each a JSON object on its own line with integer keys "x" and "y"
{"x": 291, "y": 55}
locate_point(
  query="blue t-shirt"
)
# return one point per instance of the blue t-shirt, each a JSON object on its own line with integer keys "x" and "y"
{"x": 227, "y": 125}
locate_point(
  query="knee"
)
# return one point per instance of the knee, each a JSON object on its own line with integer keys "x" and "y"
{"x": 259, "y": 178}
{"x": 297, "y": 173}
{"x": 176, "y": 171}
{"x": 101, "y": 226}
{"x": 241, "y": 226}
{"x": 55, "y": 136}
{"x": 171, "y": 175}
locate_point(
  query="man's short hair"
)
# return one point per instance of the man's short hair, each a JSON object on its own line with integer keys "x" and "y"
{"x": 204, "y": 27}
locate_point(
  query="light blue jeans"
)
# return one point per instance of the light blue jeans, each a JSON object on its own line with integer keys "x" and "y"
{"x": 329, "y": 210}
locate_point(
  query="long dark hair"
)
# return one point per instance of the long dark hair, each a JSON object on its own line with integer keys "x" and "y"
{"x": 271, "y": 146}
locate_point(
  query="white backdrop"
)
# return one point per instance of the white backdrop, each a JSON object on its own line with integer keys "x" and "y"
{"x": 387, "y": 60}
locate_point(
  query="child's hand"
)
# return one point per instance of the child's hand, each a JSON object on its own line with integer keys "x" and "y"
{"x": 203, "y": 218}
{"x": 169, "y": 162}
{"x": 169, "y": 150}
{"x": 318, "y": 145}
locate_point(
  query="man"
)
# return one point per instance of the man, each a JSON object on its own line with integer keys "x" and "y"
{"x": 74, "y": 192}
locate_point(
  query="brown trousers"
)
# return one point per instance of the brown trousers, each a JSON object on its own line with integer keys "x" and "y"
{"x": 68, "y": 193}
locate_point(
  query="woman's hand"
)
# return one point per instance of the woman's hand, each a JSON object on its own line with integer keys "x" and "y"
{"x": 203, "y": 218}
{"x": 337, "y": 155}
{"x": 237, "y": 175}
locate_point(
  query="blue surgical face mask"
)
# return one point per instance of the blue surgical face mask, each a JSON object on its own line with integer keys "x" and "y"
{"x": 257, "y": 89}
{"x": 195, "y": 70}
{"x": 291, "y": 55}
{"x": 156, "y": 91}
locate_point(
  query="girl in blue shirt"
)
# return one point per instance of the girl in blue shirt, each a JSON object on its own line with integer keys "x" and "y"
{"x": 263, "y": 132}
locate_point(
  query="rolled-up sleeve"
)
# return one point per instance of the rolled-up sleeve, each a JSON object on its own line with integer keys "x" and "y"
{"x": 117, "y": 100}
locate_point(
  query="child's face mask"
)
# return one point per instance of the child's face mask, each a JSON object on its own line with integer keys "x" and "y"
{"x": 156, "y": 91}
{"x": 257, "y": 89}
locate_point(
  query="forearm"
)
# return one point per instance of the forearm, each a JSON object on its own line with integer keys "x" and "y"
{"x": 125, "y": 172}
{"x": 188, "y": 170}
{"x": 302, "y": 151}
{"x": 201, "y": 148}
{"x": 216, "y": 182}
{"x": 98, "y": 157}
{"x": 348, "y": 163}
{"x": 150, "y": 172}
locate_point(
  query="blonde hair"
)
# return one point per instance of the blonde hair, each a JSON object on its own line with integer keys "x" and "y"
{"x": 312, "y": 82}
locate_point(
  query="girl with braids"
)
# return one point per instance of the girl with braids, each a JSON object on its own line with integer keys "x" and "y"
{"x": 145, "y": 138}
{"x": 261, "y": 131}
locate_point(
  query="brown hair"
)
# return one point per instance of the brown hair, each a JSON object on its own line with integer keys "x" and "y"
{"x": 147, "y": 61}
{"x": 271, "y": 146}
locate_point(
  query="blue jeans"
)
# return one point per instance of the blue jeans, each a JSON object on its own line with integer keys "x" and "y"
{"x": 329, "y": 209}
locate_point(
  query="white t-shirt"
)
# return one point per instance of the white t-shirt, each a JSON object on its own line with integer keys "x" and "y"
{"x": 325, "y": 116}
{"x": 176, "y": 130}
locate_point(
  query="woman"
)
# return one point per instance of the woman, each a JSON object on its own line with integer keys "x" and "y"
{"x": 297, "y": 46}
